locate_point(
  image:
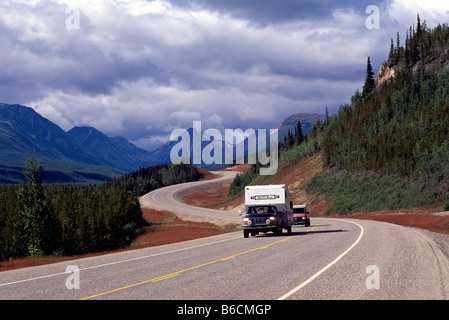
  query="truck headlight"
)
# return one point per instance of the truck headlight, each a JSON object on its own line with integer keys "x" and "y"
{"x": 246, "y": 221}
{"x": 270, "y": 219}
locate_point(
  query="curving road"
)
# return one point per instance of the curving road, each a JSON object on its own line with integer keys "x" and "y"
{"x": 332, "y": 259}
{"x": 170, "y": 199}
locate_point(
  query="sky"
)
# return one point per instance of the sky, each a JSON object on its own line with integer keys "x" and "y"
{"x": 140, "y": 69}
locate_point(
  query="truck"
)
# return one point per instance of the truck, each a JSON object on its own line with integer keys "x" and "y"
{"x": 300, "y": 213}
{"x": 268, "y": 208}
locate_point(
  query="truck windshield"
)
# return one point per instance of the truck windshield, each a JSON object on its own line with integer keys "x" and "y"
{"x": 299, "y": 210}
{"x": 262, "y": 210}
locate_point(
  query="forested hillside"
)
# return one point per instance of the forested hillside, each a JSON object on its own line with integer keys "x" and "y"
{"x": 400, "y": 126}
{"x": 389, "y": 148}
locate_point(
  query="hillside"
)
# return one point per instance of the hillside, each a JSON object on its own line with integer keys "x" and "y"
{"x": 402, "y": 126}
{"x": 389, "y": 148}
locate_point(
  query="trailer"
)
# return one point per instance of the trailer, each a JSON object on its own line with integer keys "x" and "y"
{"x": 268, "y": 208}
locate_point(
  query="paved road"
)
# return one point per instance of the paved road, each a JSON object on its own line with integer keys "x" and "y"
{"x": 170, "y": 199}
{"x": 332, "y": 259}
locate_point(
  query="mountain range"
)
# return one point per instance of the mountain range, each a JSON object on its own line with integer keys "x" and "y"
{"x": 23, "y": 130}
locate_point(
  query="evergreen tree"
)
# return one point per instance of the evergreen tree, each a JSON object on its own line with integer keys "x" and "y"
{"x": 290, "y": 139}
{"x": 369, "y": 80}
{"x": 299, "y": 137}
{"x": 418, "y": 27}
{"x": 34, "y": 212}
{"x": 391, "y": 53}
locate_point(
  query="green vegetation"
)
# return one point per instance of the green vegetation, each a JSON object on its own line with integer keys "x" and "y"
{"x": 242, "y": 180}
{"x": 401, "y": 127}
{"x": 389, "y": 148}
{"x": 37, "y": 219}
{"x": 364, "y": 191}
{"x": 148, "y": 179}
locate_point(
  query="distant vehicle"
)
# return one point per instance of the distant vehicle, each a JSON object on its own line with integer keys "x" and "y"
{"x": 267, "y": 208}
{"x": 300, "y": 213}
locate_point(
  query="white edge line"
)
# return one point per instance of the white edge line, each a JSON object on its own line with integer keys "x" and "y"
{"x": 116, "y": 262}
{"x": 316, "y": 275}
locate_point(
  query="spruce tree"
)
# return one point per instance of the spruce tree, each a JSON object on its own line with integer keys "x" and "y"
{"x": 391, "y": 54}
{"x": 369, "y": 80}
{"x": 299, "y": 137}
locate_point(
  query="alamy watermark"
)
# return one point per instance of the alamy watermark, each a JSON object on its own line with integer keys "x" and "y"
{"x": 73, "y": 280}
{"x": 72, "y": 22}
{"x": 234, "y": 139}
{"x": 373, "y": 21}
{"x": 373, "y": 280}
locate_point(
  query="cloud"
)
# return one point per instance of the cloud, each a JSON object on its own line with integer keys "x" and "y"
{"x": 267, "y": 12}
{"x": 143, "y": 68}
{"x": 434, "y": 12}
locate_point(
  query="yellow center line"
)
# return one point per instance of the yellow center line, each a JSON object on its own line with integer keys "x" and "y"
{"x": 174, "y": 274}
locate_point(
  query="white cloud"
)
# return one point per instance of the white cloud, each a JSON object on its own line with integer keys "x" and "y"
{"x": 434, "y": 12}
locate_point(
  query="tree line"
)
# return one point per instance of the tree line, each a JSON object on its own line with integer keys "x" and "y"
{"x": 147, "y": 179}
{"x": 36, "y": 219}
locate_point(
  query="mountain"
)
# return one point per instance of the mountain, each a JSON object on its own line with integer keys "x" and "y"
{"x": 23, "y": 130}
{"x": 162, "y": 154}
{"x": 118, "y": 151}
{"x": 308, "y": 120}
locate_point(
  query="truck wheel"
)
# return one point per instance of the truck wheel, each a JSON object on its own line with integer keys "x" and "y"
{"x": 245, "y": 233}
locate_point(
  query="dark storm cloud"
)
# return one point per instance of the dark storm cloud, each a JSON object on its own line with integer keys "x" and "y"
{"x": 275, "y": 11}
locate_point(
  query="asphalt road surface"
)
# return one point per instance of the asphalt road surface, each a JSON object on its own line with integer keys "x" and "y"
{"x": 331, "y": 259}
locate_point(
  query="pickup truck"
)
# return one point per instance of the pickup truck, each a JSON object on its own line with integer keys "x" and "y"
{"x": 300, "y": 213}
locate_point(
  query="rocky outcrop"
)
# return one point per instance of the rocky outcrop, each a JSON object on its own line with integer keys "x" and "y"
{"x": 385, "y": 74}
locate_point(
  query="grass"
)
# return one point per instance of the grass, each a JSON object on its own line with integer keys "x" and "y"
{"x": 370, "y": 192}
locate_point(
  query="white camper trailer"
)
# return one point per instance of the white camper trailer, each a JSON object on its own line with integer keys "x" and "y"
{"x": 267, "y": 208}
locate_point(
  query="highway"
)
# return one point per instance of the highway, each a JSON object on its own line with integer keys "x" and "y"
{"x": 331, "y": 259}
